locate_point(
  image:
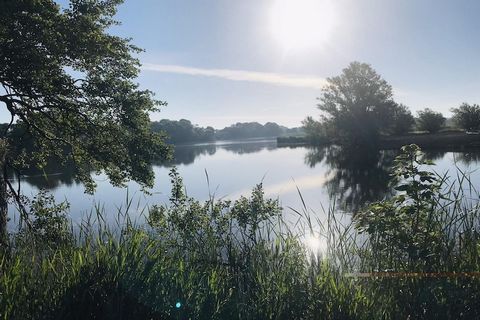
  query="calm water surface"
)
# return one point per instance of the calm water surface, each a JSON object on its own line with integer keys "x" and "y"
{"x": 325, "y": 177}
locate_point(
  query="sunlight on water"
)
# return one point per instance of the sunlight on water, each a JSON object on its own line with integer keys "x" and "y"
{"x": 315, "y": 244}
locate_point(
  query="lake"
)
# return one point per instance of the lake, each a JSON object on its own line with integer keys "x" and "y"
{"x": 325, "y": 177}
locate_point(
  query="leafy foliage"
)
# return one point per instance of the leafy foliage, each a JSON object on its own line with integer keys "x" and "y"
{"x": 358, "y": 103}
{"x": 403, "y": 119}
{"x": 429, "y": 120}
{"x": 183, "y": 131}
{"x": 47, "y": 224}
{"x": 317, "y": 131}
{"x": 70, "y": 85}
{"x": 189, "y": 220}
{"x": 212, "y": 260}
{"x": 467, "y": 116}
{"x": 245, "y": 130}
{"x": 420, "y": 240}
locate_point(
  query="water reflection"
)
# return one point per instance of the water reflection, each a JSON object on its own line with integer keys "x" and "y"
{"x": 186, "y": 154}
{"x": 468, "y": 157}
{"x": 53, "y": 176}
{"x": 434, "y": 155}
{"x": 355, "y": 177}
{"x": 351, "y": 177}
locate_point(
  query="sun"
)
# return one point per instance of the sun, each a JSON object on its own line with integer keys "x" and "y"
{"x": 315, "y": 244}
{"x": 302, "y": 24}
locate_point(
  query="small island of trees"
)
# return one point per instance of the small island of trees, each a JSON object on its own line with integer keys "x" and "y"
{"x": 358, "y": 110}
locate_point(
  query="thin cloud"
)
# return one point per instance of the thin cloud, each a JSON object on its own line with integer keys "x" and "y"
{"x": 280, "y": 79}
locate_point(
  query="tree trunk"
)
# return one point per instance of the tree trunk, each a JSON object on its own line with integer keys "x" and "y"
{"x": 3, "y": 196}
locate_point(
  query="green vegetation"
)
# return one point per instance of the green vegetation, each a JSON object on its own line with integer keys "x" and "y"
{"x": 215, "y": 260}
{"x": 70, "y": 85}
{"x": 255, "y": 130}
{"x": 467, "y": 116}
{"x": 239, "y": 260}
{"x": 69, "y": 88}
{"x": 358, "y": 110}
{"x": 317, "y": 132}
{"x": 357, "y": 104}
{"x": 431, "y": 121}
{"x": 403, "y": 120}
{"x": 183, "y": 131}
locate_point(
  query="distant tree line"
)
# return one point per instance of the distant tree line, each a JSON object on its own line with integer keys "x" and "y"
{"x": 358, "y": 107}
{"x": 183, "y": 131}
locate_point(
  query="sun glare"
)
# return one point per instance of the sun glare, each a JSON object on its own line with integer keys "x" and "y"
{"x": 302, "y": 24}
{"x": 315, "y": 244}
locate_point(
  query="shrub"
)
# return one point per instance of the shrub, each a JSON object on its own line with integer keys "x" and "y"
{"x": 429, "y": 120}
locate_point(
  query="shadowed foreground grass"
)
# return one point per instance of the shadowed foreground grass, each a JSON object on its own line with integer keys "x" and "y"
{"x": 239, "y": 260}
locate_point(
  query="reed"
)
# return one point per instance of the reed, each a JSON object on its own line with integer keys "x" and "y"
{"x": 239, "y": 259}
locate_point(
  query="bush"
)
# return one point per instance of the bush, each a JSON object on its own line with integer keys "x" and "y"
{"x": 212, "y": 260}
{"x": 423, "y": 239}
{"x": 431, "y": 121}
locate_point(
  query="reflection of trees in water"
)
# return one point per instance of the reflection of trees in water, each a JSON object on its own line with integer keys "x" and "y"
{"x": 55, "y": 176}
{"x": 187, "y": 154}
{"x": 434, "y": 155}
{"x": 51, "y": 177}
{"x": 470, "y": 157}
{"x": 244, "y": 148}
{"x": 355, "y": 177}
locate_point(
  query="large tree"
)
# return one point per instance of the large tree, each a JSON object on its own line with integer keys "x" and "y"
{"x": 358, "y": 103}
{"x": 70, "y": 85}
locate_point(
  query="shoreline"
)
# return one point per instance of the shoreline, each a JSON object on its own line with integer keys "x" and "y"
{"x": 440, "y": 140}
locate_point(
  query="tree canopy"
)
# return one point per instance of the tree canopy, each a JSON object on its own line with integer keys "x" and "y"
{"x": 467, "y": 116}
{"x": 70, "y": 84}
{"x": 403, "y": 119}
{"x": 429, "y": 120}
{"x": 358, "y": 103}
{"x": 183, "y": 131}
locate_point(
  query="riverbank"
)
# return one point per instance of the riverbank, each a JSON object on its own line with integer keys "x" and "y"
{"x": 189, "y": 263}
{"x": 452, "y": 140}
{"x": 445, "y": 140}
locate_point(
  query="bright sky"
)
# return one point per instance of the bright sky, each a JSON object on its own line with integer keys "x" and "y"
{"x": 217, "y": 62}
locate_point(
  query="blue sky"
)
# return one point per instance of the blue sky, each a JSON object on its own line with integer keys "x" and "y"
{"x": 218, "y": 62}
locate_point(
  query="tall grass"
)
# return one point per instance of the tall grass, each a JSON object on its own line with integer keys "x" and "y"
{"x": 240, "y": 260}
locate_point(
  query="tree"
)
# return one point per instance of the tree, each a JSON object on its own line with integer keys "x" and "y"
{"x": 467, "y": 116}
{"x": 183, "y": 131}
{"x": 358, "y": 103}
{"x": 272, "y": 129}
{"x": 429, "y": 120}
{"x": 315, "y": 131}
{"x": 403, "y": 119}
{"x": 71, "y": 86}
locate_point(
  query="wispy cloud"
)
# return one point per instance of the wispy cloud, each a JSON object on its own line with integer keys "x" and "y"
{"x": 242, "y": 75}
